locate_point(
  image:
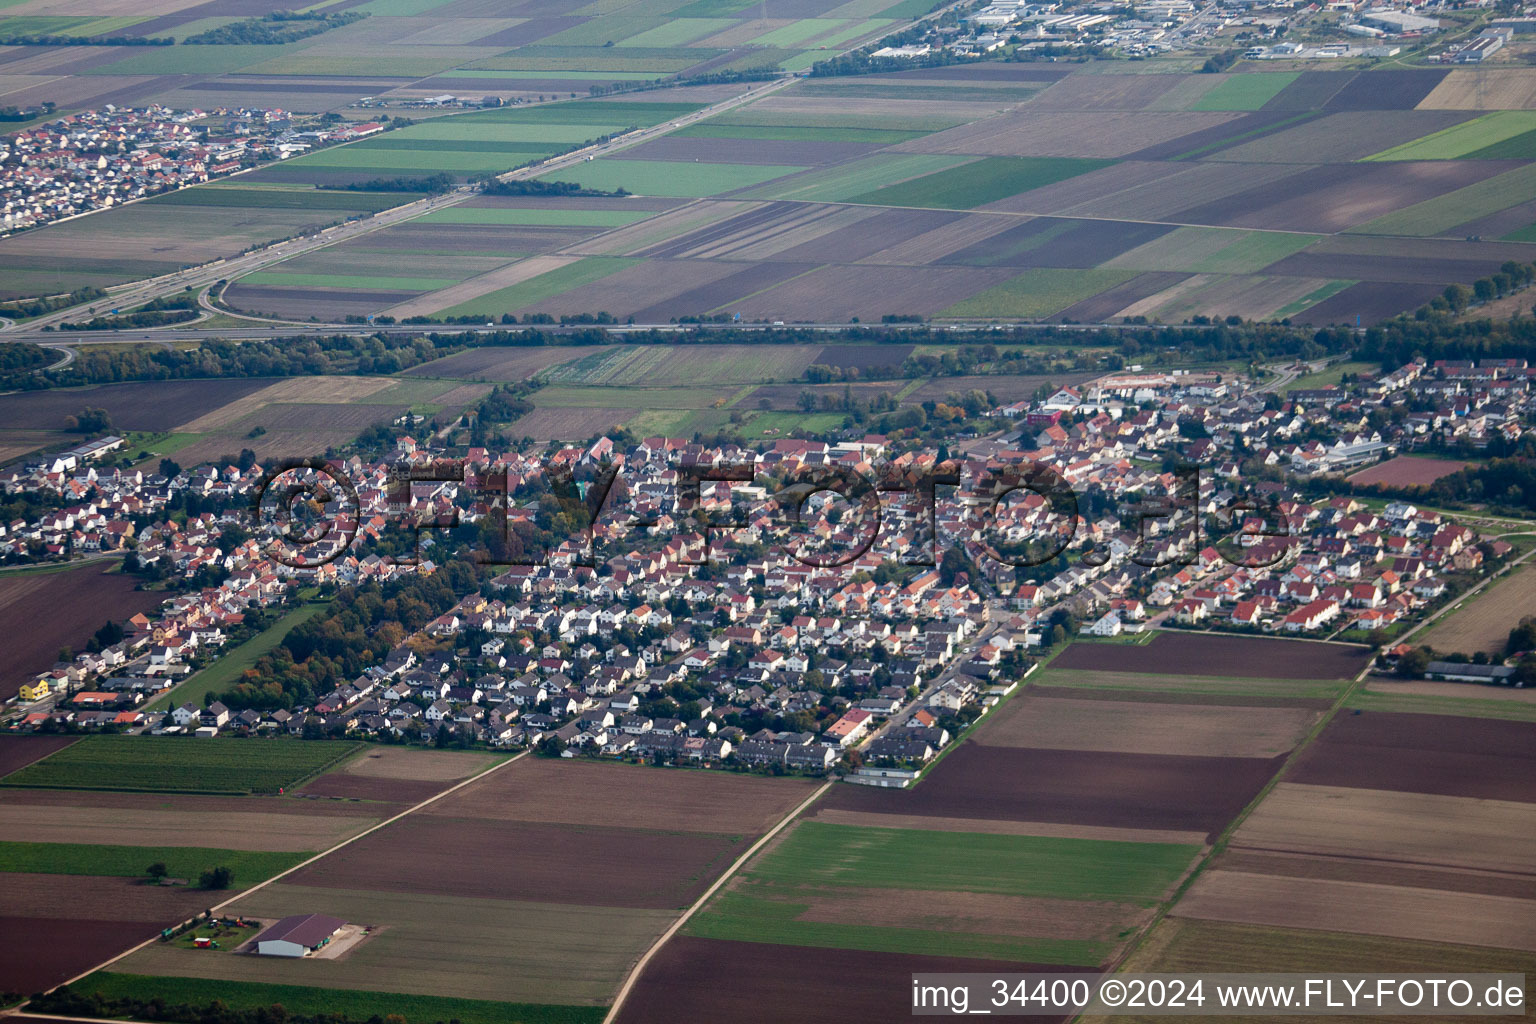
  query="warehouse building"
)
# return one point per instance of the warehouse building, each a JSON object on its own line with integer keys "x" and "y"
{"x": 298, "y": 935}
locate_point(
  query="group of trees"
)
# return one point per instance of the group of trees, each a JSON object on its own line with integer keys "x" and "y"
{"x": 89, "y": 421}
{"x": 531, "y": 187}
{"x": 274, "y": 29}
{"x": 38, "y": 307}
{"x": 432, "y": 184}
{"x": 171, "y": 309}
{"x": 359, "y": 629}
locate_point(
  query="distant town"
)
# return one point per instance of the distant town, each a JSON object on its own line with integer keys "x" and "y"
{"x": 97, "y": 159}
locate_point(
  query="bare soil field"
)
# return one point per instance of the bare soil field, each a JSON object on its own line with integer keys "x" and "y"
{"x": 1387, "y": 91}
{"x": 1074, "y": 787}
{"x": 20, "y": 751}
{"x": 747, "y": 151}
{"x": 1395, "y": 911}
{"x": 80, "y": 601}
{"x": 108, "y": 898}
{"x": 1369, "y": 301}
{"x": 1056, "y": 242}
{"x": 636, "y": 239}
{"x": 1186, "y": 944}
{"x": 1130, "y": 727}
{"x": 1376, "y": 267}
{"x": 301, "y": 303}
{"x": 1209, "y": 142}
{"x": 424, "y": 765}
{"x": 323, "y": 390}
{"x": 1408, "y": 472}
{"x": 759, "y": 232}
{"x": 476, "y": 947}
{"x": 1299, "y": 865}
{"x": 399, "y": 793}
{"x": 571, "y": 423}
{"x": 1476, "y": 89}
{"x": 934, "y": 244}
{"x": 626, "y": 796}
{"x": 870, "y": 234}
{"x": 650, "y": 285}
{"x": 499, "y": 365}
{"x": 840, "y": 292}
{"x": 225, "y": 830}
{"x": 1144, "y": 191}
{"x": 37, "y": 953}
{"x": 770, "y": 984}
{"x": 1209, "y": 654}
{"x": 148, "y": 405}
{"x": 1250, "y": 296}
{"x": 1446, "y": 755}
{"x": 1402, "y": 828}
{"x": 1484, "y": 624}
{"x": 1106, "y": 92}
{"x": 1032, "y": 132}
{"x": 1341, "y": 137}
{"x": 1311, "y": 91}
{"x": 579, "y": 864}
{"x": 1334, "y": 197}
{"x": 865, "y": 357}
{"x": 748, "y": 279}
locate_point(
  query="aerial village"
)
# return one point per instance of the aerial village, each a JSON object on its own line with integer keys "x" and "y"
{"x": 95, "y": 159}
{"x": 691, "y": 624}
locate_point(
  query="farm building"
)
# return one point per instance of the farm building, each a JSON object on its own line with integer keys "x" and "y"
{"x": 298, "y": 935}
{"x": 1451, "y": 671}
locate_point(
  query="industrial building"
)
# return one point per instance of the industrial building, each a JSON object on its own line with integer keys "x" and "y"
{"x": 298, "y": 935}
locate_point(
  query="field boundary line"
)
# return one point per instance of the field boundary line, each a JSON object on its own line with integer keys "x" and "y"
{"x": 284, "y": 874}
{"x": 661, "y": 940}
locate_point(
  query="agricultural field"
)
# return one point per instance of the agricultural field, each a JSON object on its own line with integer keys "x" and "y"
{"x": 1407, "y": 471}
{"x": 180, "y": 765}
{"x": 1166, "y": 196}
{"x": 994, "y": 896}
{"x": 562, "y": 876}
{"x": 130, "y": 861}
{"x": 1209, "y": 654}
{"x": 1482, "y": 623}
{"x": 82, "y": 599}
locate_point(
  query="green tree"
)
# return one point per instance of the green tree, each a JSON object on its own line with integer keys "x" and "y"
{"x": 220, "y": 877}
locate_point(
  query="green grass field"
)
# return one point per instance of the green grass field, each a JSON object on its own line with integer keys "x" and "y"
{"x": 351, "y": 1004}
{"x": 394, "y": 160}
{"x": 1252, "y": 252}
{"x": 545, "y": 286}
{"x": 1462, "y": 140}
{"x": 835, "y": 184}
{"x": 1038, "y": 292}
{"x": 175, "y": 764}
{"x": 796, "y": 893}
{"x": 225, "y": 672}
{"x": 522, "y": 215}
{"x": 1517, "y": 147}
{"x": 1245, "y": 91}
{"x": 596, "y": 58}
{"x": 758, "y": 914}
{"x": 980, "y": 182}
{"x": 816, "y": 853}
{"x": 668, "y": 178}
{"x": 249, "y": 866}
{"x": 1471, "y": 706}
{"x": 1443, "y": 213}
